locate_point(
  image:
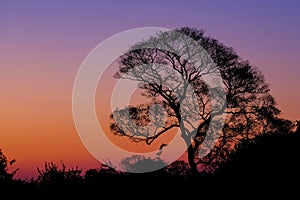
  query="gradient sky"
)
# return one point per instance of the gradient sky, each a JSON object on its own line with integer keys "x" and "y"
{"x": 43, "y": 43}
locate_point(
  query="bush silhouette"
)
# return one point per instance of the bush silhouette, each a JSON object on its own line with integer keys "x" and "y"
{"x": 58, "y": 178}
{"x": 269, "y": 157}
{"x": 5, "y": 175}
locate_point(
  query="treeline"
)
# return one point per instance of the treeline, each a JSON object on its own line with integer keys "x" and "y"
{"x": 269, "y": 161}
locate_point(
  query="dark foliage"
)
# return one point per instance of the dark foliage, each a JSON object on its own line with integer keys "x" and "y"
{"x": 250, "y": 110}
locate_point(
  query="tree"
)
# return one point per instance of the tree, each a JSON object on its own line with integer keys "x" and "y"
{"x": 165, "y": 78}
{"x": 5, "y": 175}
{"x": 269, "y": 157}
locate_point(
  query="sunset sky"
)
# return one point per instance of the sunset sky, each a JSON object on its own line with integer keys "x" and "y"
{"x": 43, "y": 43}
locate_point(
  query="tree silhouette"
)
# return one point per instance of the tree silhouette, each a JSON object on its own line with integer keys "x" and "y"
{"x": 268, "y": 159}
{"x": 5, "y": 175}
{"x": 164, "y": 78}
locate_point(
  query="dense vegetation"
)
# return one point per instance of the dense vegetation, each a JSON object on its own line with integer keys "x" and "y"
{"x": 270, "y": 161}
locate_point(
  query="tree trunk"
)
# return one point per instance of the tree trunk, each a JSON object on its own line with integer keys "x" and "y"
{"x": 191, "y": 160}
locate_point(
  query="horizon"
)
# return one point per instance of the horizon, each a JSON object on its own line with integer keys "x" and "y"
{"x": 44, "y": 43}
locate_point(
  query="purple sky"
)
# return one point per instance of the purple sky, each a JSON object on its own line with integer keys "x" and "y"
{"x": 43, "y": 43}
{"x": 264, "y": 32}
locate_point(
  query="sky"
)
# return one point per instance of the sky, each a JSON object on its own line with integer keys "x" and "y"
{"x": 43, "y": 43}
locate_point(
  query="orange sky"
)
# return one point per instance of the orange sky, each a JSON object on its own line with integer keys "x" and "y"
{"x": 42, "y": 45}
{"x": 103, "y": 108}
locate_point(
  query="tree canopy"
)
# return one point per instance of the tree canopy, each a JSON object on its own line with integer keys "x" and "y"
{"x": 170, "y": 65}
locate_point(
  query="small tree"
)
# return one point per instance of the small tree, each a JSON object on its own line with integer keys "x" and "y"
{"x": 5, "y": 175}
